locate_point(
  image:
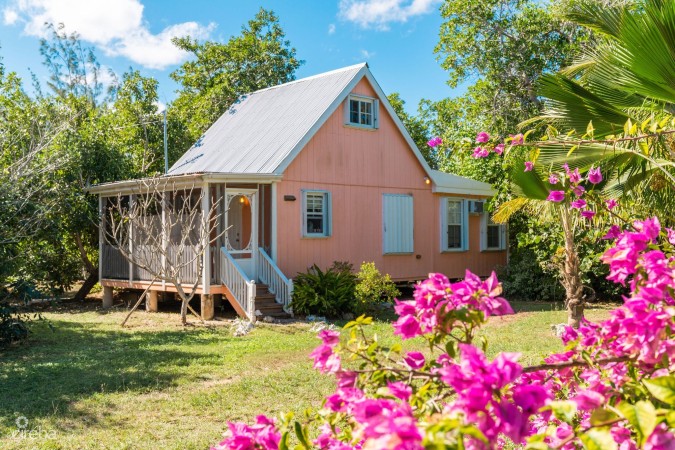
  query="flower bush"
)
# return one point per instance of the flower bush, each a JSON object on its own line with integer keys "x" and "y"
{"x": 612, "y": 387}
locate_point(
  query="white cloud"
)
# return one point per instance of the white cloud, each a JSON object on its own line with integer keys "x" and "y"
{"x": 380, "y": 13}
{"x": 365, "y": 54}
{"x": 331, "y": 28}
{"x": 117, "y": 27}
{"x": 9, "y": 16}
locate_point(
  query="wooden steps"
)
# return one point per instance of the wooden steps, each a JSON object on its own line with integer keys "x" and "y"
{"x": 266, "y": 303}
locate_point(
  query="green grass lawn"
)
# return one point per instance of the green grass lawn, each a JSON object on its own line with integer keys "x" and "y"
{"x": 84, "y": 382}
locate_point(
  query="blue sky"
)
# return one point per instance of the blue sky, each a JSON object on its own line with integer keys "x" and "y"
{"x": 396, "y": 37}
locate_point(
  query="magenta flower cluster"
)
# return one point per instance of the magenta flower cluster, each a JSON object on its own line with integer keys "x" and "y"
{"x": 493, "y": 402}
{"x": 571, "y": 180}
{"x": 483, "y": 151}
{"x": 436, "y": 296}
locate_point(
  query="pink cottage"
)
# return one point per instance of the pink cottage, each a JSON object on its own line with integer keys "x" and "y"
{"x": 314, "y": 171}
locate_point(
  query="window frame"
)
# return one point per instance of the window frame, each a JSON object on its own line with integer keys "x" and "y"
{"x": 326, "y": 214}
{"x": 464, "y": 230}
{"x": 485, "y": 224}
{"x": 375, "y": 106}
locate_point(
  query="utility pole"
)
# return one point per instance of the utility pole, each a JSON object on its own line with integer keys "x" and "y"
{"x": 166, "y": 149}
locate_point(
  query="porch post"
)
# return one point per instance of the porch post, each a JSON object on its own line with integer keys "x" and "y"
{"x": 207, "y": 309}
{"x": 152, "y": 301}
{"x": 101, "y": 236}
{"x": 107, "y": 296}
{"x": 132, "y": 202}
{"x": 165, "y": 240}
{"x": 274, "y": 222}
{"x": 206, "y": 207}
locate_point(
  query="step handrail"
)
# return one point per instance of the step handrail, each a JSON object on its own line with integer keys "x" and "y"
{"x": 278, "y": 284}
{"x": 235, "y": 279}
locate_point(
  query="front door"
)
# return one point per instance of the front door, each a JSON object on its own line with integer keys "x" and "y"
{"x": 241, "y": 235}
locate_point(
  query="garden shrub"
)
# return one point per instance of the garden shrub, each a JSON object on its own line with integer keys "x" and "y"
{"x": 329, "y": 293}
{"x": 373, "y": 289}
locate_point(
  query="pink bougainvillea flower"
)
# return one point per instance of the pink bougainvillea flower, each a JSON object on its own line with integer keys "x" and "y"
{"x": 594, "y": 175}
{"x": 671, "y": 235}
{"x": 578, "y": 203}
{"x": 480, "y": 152}
{"x": 588, "y": 214}
{"x": 407, "y": 327}
{"x": 329, "y": 337}
{"x": 588, "y": 400}
{"x": 263, "y": 435}
{"x": 435, "y": 142}
{"x": 574, "y": 176}
{"x": 499, "y": 149}
{"x": 613, "y": 233}
{"x": 516, "y": 139}
{"x": 611, "y": 203}
{"x": 482, "y": 137}
{"x": 578, "y": 190}
{"x": 553, "y": 179}
{"x": 556, "y": 196}
{"x": 529, "y": 165}
{"x": 325, "y": 360}
{"x": 414, "y": 360}
{"x": 400, "y": 390}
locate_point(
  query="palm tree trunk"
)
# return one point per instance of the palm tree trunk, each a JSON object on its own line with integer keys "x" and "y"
{"x": 571, "y": 277}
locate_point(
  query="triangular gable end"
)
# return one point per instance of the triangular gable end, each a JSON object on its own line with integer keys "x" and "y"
{"x": 364, "y": 72}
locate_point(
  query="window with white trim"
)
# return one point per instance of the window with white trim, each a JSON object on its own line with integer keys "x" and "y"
{"x": 315, "y": 213}
{"x": 493, "y": 235}
{"x": 361, "y": 111}
{"x": 454, "y": 225}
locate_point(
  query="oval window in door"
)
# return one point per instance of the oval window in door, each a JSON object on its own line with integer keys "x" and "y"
{"x": 239, "y": 222}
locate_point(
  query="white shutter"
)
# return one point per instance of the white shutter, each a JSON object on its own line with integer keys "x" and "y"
{"x": 465, "y": 225}
{"x": 483, "y": 231}
{"x": 397, "y": 215}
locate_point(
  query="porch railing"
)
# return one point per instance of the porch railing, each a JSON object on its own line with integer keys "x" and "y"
{"x": 234, "y": 278}
{"x": 278, "y": 284}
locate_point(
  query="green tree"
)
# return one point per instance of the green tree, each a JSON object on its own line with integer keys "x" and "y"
{"x": 418, "y": 128}
{"x": 220, "y": 73}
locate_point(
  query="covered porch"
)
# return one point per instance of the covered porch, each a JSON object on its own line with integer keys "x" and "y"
{"x": 235, "y": 258}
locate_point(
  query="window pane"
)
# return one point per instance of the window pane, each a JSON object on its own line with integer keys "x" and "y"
{"x": 493, "y": 236}
{"x": 454, "y": 213}
{"x": 354, "y": 111}
{"x": 315, "y": 212}
{"x": 454, "y": 236}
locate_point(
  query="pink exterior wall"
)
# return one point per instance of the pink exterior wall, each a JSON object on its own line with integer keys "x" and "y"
{"x": 357, "y": 166}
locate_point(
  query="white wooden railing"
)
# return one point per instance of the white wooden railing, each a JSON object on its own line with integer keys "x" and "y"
{"x": 234, "y": 278}
{"x": 278, "y": 284}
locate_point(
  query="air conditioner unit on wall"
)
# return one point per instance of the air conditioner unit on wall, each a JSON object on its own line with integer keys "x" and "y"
{"x": 476, "y": 207}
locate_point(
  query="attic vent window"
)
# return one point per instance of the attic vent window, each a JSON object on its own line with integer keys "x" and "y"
{"x": 361, "y": 111}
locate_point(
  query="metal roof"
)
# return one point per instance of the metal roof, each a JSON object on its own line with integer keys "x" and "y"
{"x": 448, "y": 183}
{"x": 262, "y": 129}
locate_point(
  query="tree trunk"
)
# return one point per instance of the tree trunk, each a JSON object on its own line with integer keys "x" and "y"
{"x": 92, "y": 278}
{"x": 87, "y": 286}
{"x": 184, "y": 303}
{"x": 571, "y": 278}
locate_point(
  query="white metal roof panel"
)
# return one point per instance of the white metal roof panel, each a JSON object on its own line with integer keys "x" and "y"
{"x": 448, "y": 183}
{"x": 259, "y": 131}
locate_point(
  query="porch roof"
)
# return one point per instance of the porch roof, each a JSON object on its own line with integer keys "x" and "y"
{"x": 448, "y": 183}
{"x": 179, "y": 181}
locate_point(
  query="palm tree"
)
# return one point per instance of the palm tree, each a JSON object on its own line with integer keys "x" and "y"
{"x": 616, "y": 104}
{"x": 613, "y": 108}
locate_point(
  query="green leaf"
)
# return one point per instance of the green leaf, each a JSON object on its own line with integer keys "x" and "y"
{"x": 301, "y": 434}
{"x": 574, "y": 147}
{"x": 601, "y": 416}
{"x": 590, "y": 129}
{"x": 564, "y": 410}
{"x": 596, "y": 439}
{"x": 283, "y": 443}
{"x": 642, "y": 416}
{"x": 662, "y": 388}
